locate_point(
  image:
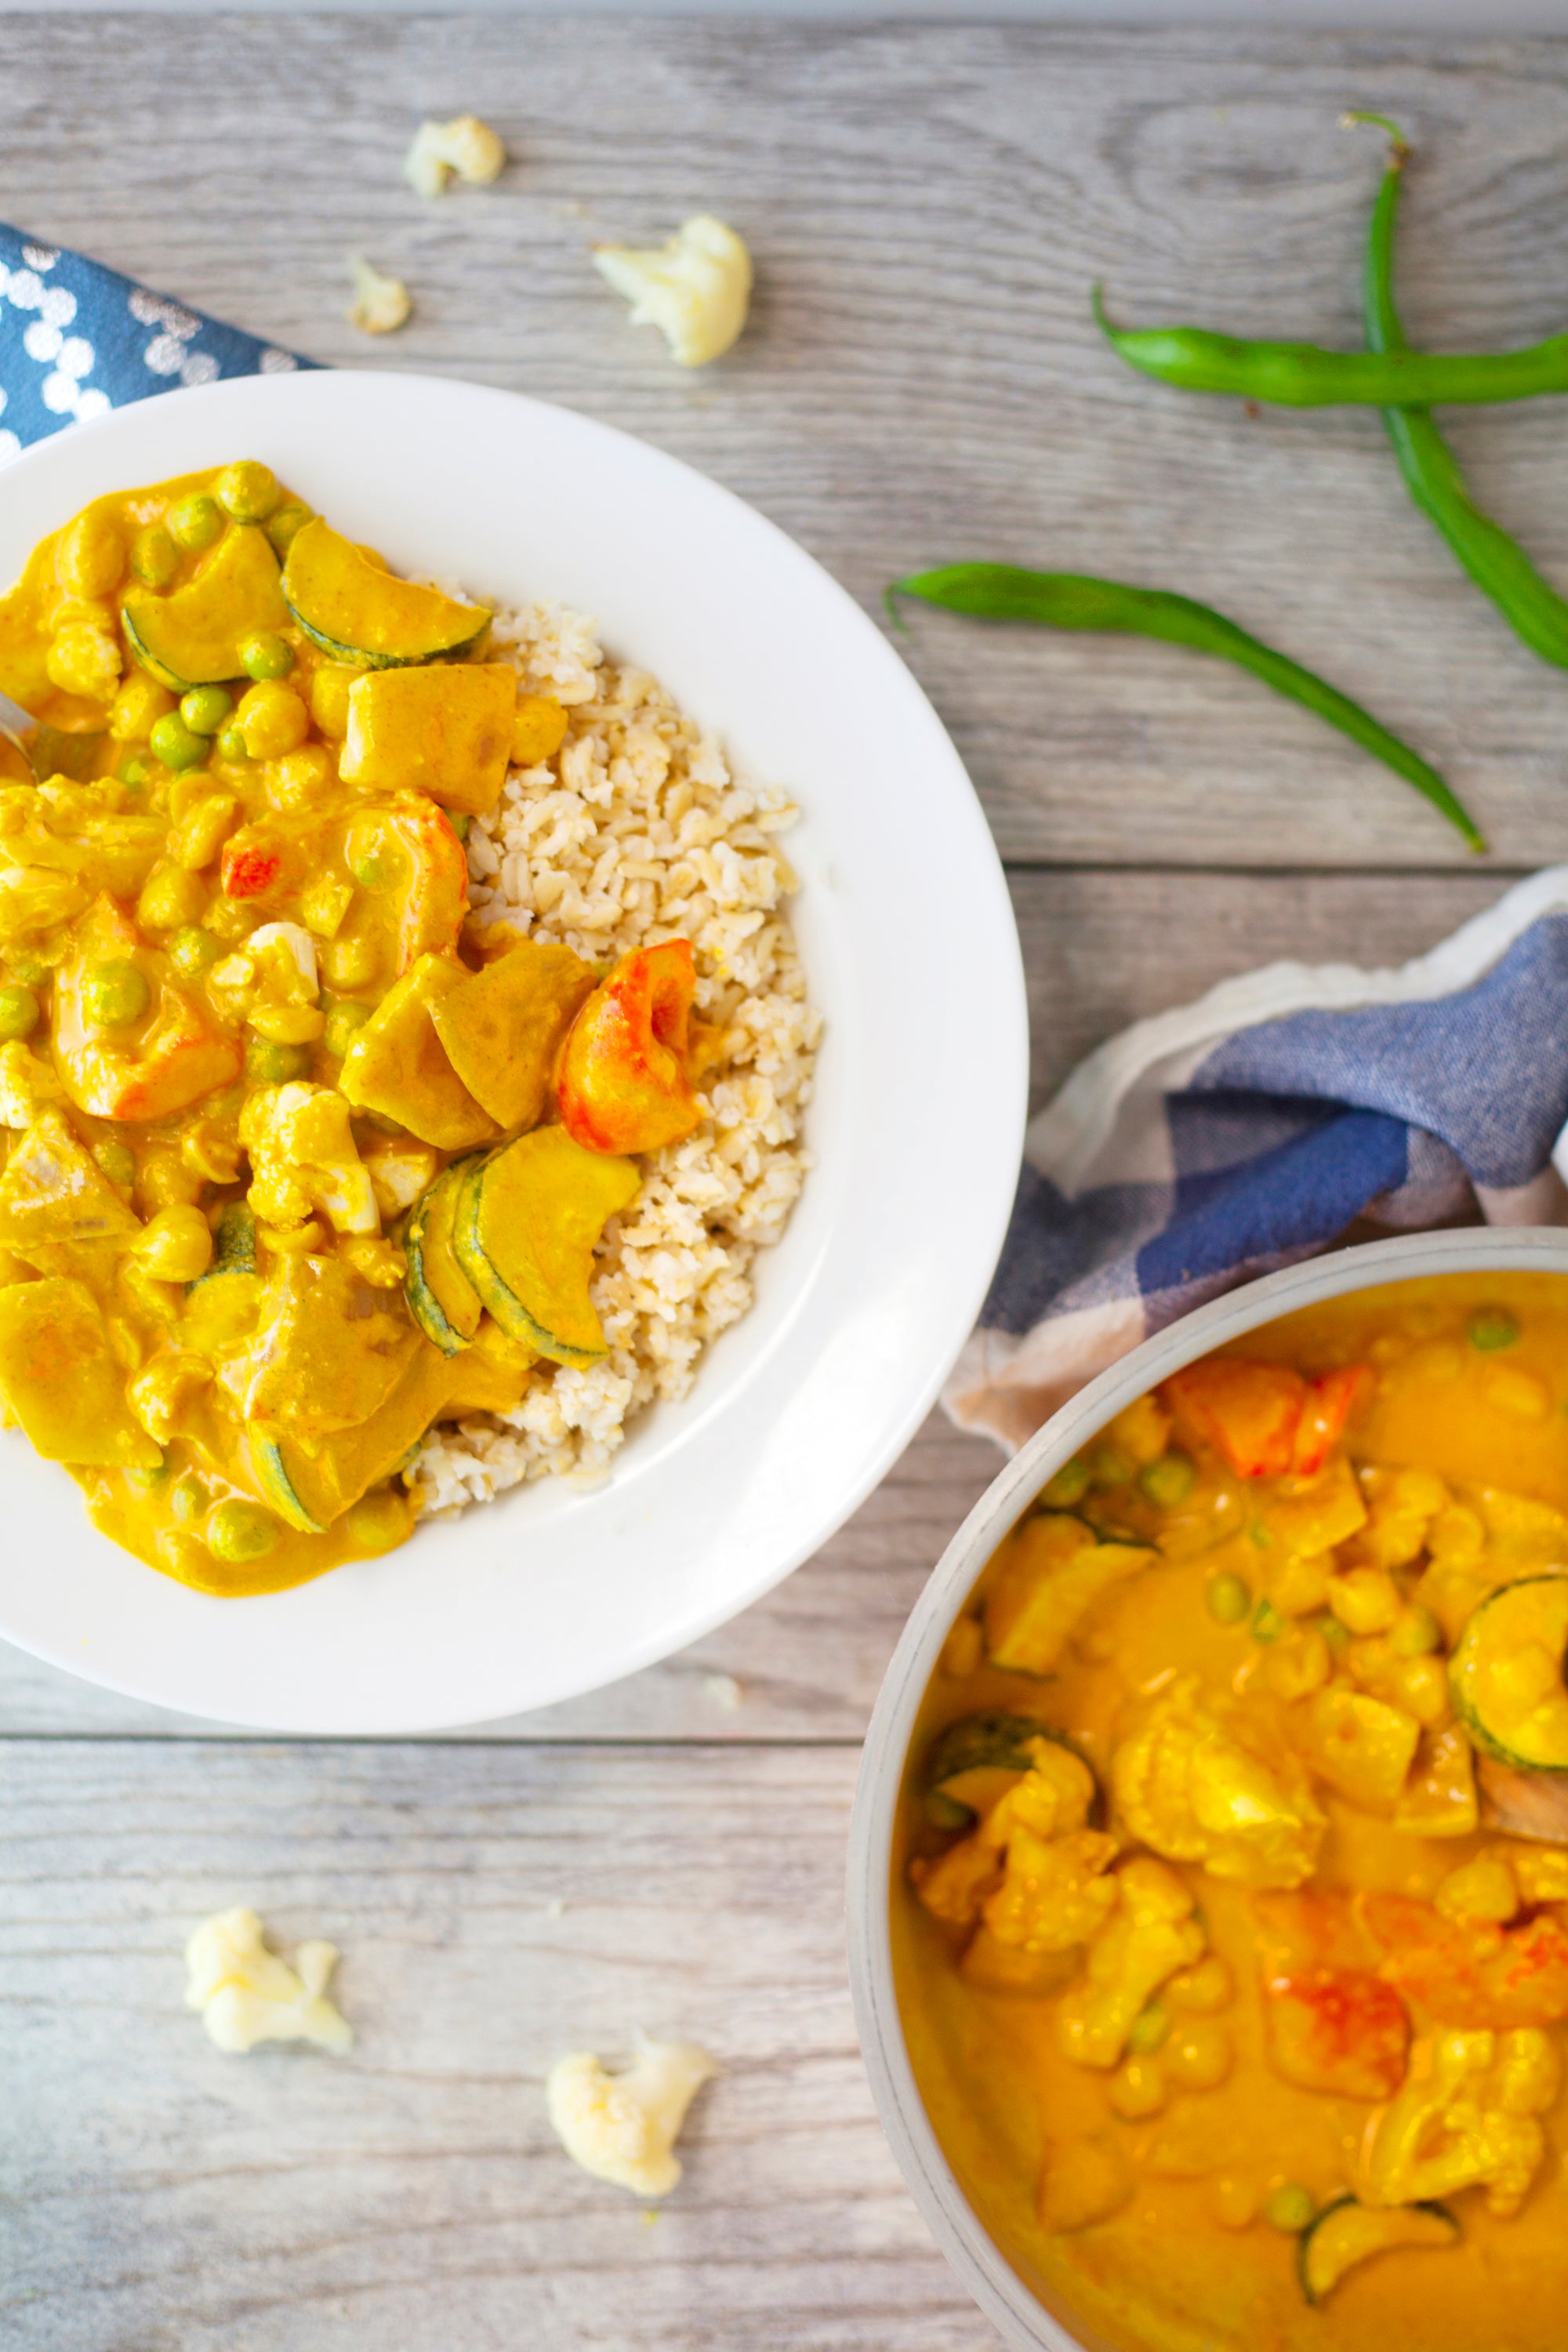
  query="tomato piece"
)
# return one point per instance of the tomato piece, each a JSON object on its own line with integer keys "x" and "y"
{"x": 1249, "y": 1412}
{"x": 250, "y": 867}
{"x": 1339, "y": 2030}
{"x": 1332, "y": 1398}
{"x": 623, "y": 1084}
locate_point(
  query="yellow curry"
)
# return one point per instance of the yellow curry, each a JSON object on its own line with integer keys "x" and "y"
{"x": 294, "y": 1161}
{"x": 1231, "y": 1903}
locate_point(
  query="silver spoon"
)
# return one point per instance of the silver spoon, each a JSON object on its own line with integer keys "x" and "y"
{"x": 51, "y": 752}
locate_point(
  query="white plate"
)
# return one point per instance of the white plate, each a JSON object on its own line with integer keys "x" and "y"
{"x": 910, "y": 952}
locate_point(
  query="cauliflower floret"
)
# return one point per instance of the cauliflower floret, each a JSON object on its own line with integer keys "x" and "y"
{"x": 26, "y": 1083}
{"x": 399, "y": 1170}
{"x": 302, "y": 1158}
{"x": 1185, "y": 1785}
{"x": 695, "y": 289}
{"x": 85, "y": 659}
{"x": 624, "y": 2127}
{"x": 1466, "y": 2118}
{"x": 1150, "y": 1935}
{"x": 380, "y": 305}
{"x": 1048, "y": 1802}
{"x": 247, "y": 1994}
{"x": 1053, "y": 1892}
{"x": 465, "y": 145}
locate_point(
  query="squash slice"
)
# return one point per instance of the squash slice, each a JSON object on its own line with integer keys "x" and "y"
{"x": 445, "y": 732}
{"x": 441, "y": 1298}
{"x": 63, "y": 1380}
{"x": 1346, "y": 2233}
{"x": 53, "y": 1194}
{"x": 328, "y": 1351}
{"x": 397, "y": 1065}
{"x": 1053, "y": 1570}
{"x": 193, "y": 638}
{"x": 358, "y": 612}
{"x": 1506, "y": 1675}
{"x": 503, "y": 1027}
{"x": 527, "y": 1220}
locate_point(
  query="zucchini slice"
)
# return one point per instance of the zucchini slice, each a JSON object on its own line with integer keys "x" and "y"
{"x": 526, "y": 1222}
{"x": 1506, "y": 1675}
{"x": 358, "y": 612}
{"x": 441, "y": 1298}
{"x": 1054, "y": 1568}
{"x": 1346, "y": 2233}
{"x": 193, "y": 638}
{"x": 974, "y": 1762}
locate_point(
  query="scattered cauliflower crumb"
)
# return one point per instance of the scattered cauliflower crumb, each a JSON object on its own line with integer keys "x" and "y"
{"x": 465, "y": 145}
{"x": 247, "y": 1994}
{"x": 624, "y": 2127}
{"x": 696, "y": 289}
{"x": 724, "y": 1691}
{"x": 381, "y": 304}
{"x": 556, "y": 1907}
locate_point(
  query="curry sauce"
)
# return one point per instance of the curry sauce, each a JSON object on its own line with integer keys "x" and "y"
{"x": 296, "y": 1161}
{"x": 1230, "y": 1906}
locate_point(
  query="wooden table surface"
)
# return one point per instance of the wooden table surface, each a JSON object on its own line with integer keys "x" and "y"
{"x": 928, "y": 207}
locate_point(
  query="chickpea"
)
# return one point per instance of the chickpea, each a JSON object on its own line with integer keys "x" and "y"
{"x": 272, "y": 719}
{"x": 139, "y": 704}
{"x": 1204, "y": 1988}
{"x": 84, "y": 658}
{"x": 1290, "y": 2207}
{"x": 176, "y": 1244}
{"x": 1198, "y": 2055}
{"x": 90, "y": 558}
{"x": 330, "y": 697}
{"x": 379, "y": 1521}
{"x": 351, "y": 962}
{"x": 171, "y": 898}
{"x": 1137, "y": 2089}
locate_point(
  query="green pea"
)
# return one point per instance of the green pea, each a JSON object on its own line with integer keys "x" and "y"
{"x": 284, "y": 528}
{"x": 136, "y": 772}
{"x": 195, "y": 522}
{"x": 117, "y": 1160}
{"x": 114, "y": 994}
{"x": 194, "y": 951}
{"x": 1149, "y": 2028}
{"x": 248, "y": 490}
{"x": 19, "y": 1010}
{"x": 231, "y": 744}
{"x": 343, "y": 1021}
{"x": 1266, "y": 1622}
{"x": 1107, "y": 1468}
{"x": 1493, "y": 1327}
{"x": 204, "y": 709}
{"x": 173, "y": 741}
{"x": 1290, "y": 2207}
{"x": 379, "y": 1521}
{"x": 369, "y": 868}
{"x": 265, "y": 655}
{"x": 1415, "y": 1632}
{"x": 240, "y": 1531}
{"x": 170, "y": 898}
{"x": 267, "y": 1064}
{"x": 1168, "y": 1481}
{"x": 187, "y": 1497}
{"x": 459, "y": 824}
{"x": 32, "y": 970}
{"x": 1336, "y": 1636}
{"x": 154, "y": 558}
{"x": 144, "y": 1480}
{"x": 1069, "y": 1486}
{"x": 1228, "y": 1599}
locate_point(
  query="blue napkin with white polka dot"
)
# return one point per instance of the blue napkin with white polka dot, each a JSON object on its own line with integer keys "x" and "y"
{"x": 77, "y": 339}
{"x": 1239, "y": 1134}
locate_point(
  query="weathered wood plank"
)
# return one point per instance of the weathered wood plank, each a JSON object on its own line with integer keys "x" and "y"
{"x": 1100, "y": 948}
{"x": 929, "y": 206}
{"x": 156, "y": 2193}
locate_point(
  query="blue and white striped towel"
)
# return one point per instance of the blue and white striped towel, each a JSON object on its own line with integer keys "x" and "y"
{"x": 1208, "y": 1145}
{"x": 77, "y": 339}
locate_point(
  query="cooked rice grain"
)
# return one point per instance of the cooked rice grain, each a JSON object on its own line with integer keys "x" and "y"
{"x": 638, "y": 832}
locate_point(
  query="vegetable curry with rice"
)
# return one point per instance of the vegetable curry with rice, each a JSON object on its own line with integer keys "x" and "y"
{"x": 1230, "y": 1909}
{"x": 295, "y": 1161}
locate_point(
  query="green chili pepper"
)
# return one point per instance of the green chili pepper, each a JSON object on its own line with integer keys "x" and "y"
{"x": 1303, "y": 375}
{"x": 1071, "y": 600}
{"x": 1495, "y": 562}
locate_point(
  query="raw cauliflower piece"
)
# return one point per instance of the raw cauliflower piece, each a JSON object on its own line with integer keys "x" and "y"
{"x": 302, "y": 1158}
{"x": 1150, "y": 1935}
{"x": 624, "y": 2127}
{"x": 465, "y": 146}
{"x": 380, "y": 305}
{"x": 247, "y": 1994}
{"x": 1466, "y": 2117}
{"x": 696, "y": 289}
{"x": 1185, "y": 1785}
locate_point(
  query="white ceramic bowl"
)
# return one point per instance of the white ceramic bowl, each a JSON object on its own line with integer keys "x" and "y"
{"x": 1005, "y": 2297}
{"x": 910, "y": 952}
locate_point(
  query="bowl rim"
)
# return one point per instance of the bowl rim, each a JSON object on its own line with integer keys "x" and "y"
{"x": 1001, "y": 2294}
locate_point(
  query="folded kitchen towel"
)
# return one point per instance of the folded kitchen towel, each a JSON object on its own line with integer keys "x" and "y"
{"x": 1250, "y": 1129}
{"x": 77, "y": 339}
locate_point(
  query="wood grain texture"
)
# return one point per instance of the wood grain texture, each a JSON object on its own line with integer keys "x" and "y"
{"x": 929, "y": 206}
{"x": 157, "y": 2195}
